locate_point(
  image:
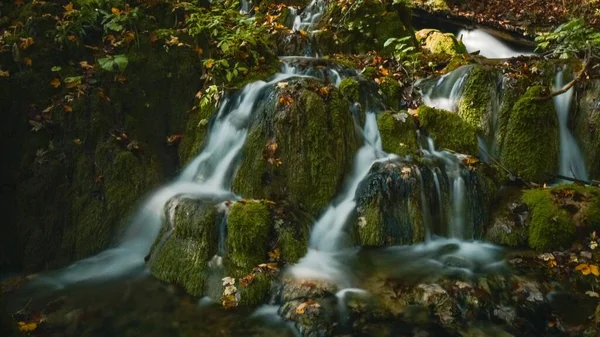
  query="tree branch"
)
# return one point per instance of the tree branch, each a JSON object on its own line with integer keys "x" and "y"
{"x": 577, "y": 78}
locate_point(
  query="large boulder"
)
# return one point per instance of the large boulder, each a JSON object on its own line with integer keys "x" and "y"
{"x": 448, "y": 130}
{"x": 530, "y": 147}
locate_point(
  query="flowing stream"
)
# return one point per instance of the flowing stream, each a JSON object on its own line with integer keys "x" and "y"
{"x": 488, "y": 45}
{"x": 571, "y": 160}
{"x": 207, "y": 178}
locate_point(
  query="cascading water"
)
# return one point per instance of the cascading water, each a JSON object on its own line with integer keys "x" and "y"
{"x": 572, "y": 163}
{"x": 309, "y": 16}
{"x": 488, "y": 45}
{"x": 206, "y": 178}
{"x": 446, "y": 91}
{"x": 323, "y": 259}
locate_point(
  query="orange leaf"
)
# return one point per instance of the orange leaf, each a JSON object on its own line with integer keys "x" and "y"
{"x": 115, "y": 11}
{"x": 67, "y": 108}
{"x": 85, "y": 65}
{"x": 594, "y": 270}
{"x": 27, "y": 61}
{"x": 172, "y": 139}
{"x": 584, "y": 268}
{"x": 69, "y": 8}
{"x": 55, "y": 82}
{"x": 26, "y": 43}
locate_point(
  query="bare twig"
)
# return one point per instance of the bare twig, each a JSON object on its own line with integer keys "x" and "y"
{"x": 577, "y": 78}
{"x": 504, "y": 168}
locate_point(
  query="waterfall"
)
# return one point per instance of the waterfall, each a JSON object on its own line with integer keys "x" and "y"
{"x": 571, "y": 160}
{"x": 457, "y": 187}
{"x": 488, "y": 45}
{"x": 446, "y": 91}
{"x": 310, "y": 15}
{"x": 245, "y": 6}
{"x": 326, "y": 245}
{"x": 206, "y": 178}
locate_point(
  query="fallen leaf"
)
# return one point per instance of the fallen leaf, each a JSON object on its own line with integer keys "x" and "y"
{"x": 115, "y": 11}
{"x": 85, "y": 65}
{"x": 282, "y": 85}
{"x": 247, "y": 280}
{"x": 27, "y": 61}
{"x": 592, "y": 294}
{"x": 172, "y": 139}
{"x": 301, "y": 309}
{"x": 55, "y": 82}
{"x": 209, "y": 63}
{"x": 26, "y": 43}
{"x": 77, "y": 141}
{"x": 4, "y": 73}
{"x": 67, "y": 108}
{"x": 274, "y": 254}
{"x": 27, "y": 327}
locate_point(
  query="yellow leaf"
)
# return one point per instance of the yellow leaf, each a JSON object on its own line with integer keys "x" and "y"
{"x": 199, "y": 51}
{"x": 27, "y": 61}
{"x": 209, "y": 63}
{"x": 77, "y": 141}
{"x": 72, "y": 38}
{"x": 55, "y": 82}
{"x": 302, "y": 32}
{"x": 4, "y": 73}
{"x": 26, "y": 327}
{"x": 85, "y": 65}
{"x": 69, "y": 8}
{"x": 594, "y": 270}
{"x": 584, "y": 268}
{"x": 67, "y": 108}
{"x": 115, "y": 11}
{"x": 26, "y": 43}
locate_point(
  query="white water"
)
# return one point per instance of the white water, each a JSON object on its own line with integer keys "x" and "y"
{"x": 206, "y": 178}
{"x": 309, "y": 16}
{"x": 571, "y": 160}
{"x": 457, "y": 187}
{"x": 245, "y": 6}
{"x": 326, "y": 253}
{"x": 488, "y": 45}
{"x": 446, "y": 91}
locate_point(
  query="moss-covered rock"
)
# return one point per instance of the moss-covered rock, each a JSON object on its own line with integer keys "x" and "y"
{"x": 437, "y": 42}
{"x": 299, "y": 152}
{"x": 197, "y": 127}
{"x": 398, "y": 133}
{"x": 479, "y": 101}
{"x": 389, "y": 206}
{"x": 182, "y": 257}
{"x": 509, "y": 220}
{"x": 550, "y": 226}
{"x": 350, "y": 89}
{"x": 248, "y": 229}
{"x": 448, "y": 130}
{"x": 530, "y": 147}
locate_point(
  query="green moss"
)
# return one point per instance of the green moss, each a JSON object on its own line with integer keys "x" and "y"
{"x": 350, "y": 89}
{"x": 293, "y": 246}
{"x": 184, "y": 256}
{"x": 370, "y": 73}
{"x": 257, "y": 292}
{"x": 397, "y": 136}
{"x": 476, "y": 105}
{"x": 370, "y": 226}
{"x": 438, "y": 42}
{"x": 248, "y": 229}
{"x": 587, "y": 126}
{"x": 530, "y": 147}
{"x": 195, "y": 133}
{"x": 315, "y": 139}
{"x": 550, "y": 226}
{"x": 448, "y": 130}
{"x": 391, "y": 91}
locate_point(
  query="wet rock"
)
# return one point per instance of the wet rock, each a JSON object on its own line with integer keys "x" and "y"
{"x": 388, "y": 207}
{"x": 448, "y": 130}
{"x": 509, "y": 219}
{"x": 438, "y": 42}
{"x": 587, "y": 125}
{"x": 559, "y": 213}
{"x": 398, "y": 133}
{"x": 186, "y": 244}
{"x": 530, "y": 147}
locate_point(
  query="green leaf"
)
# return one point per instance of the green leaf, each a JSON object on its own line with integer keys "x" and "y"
{"x": 106, "y": 63}
{"x": 73, "y": 79}
{"x": 121, "y": 61}
{"x": 229, "y": 76}
{"x": 389, "y": 42}
{"x": 114, "y": 26}
{"x": 56, "y": 69}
